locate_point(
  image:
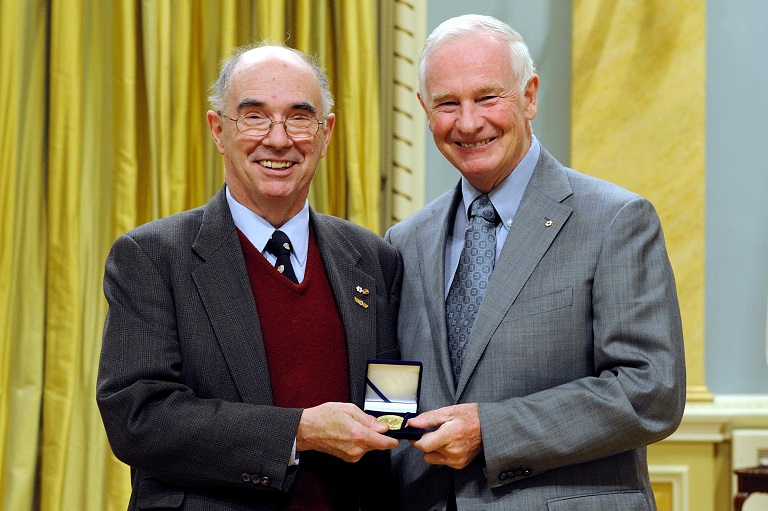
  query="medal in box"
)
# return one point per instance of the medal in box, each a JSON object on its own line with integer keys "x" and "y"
{"x": 392, "y": 394}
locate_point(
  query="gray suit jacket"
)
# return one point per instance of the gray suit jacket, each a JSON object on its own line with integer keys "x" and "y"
{"x": 183, "y": 386}
{"x": 575, "y": 358}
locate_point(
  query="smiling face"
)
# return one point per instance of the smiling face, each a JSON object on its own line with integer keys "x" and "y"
{"x": 271, "y": 174}
{"x": 477, "y": 115}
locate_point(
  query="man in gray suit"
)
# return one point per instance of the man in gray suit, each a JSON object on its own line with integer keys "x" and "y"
{"x": 233, "y": 367}
{"x": 546, "y": 395}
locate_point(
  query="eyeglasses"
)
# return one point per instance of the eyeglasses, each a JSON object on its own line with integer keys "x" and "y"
{"x": 257, "y": 125}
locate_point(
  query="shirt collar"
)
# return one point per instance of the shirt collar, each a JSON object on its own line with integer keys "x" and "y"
{"x": 258, "y": 230}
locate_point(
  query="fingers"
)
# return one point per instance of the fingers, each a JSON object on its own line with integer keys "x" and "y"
{"x": 427, "y": 420}
{"x": 436, "y": 418}
{"x": 457, "y": 439}
{"x": 371, "y": 422}
{"x": 342, "y": 430}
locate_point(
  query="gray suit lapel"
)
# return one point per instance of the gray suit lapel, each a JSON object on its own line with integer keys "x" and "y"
{"x": 431, "y": 243}
{"x": 340, "y": 258}
{"x": 539, "y": 219}
{"x": 224, "y": 287}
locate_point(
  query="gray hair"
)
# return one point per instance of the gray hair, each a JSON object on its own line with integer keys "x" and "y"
{"x": 220, "y": 87}
{"x": 469, "y": 24}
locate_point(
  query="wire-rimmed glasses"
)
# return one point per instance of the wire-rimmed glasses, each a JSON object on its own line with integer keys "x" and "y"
{"x": 258, "y": 125}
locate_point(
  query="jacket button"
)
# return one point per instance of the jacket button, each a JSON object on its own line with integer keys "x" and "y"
{"x": 502, "y": 476}
{"x": 246, "y": 477}
{"x": 265, "y": 481}
{"x": 255, "y": 479}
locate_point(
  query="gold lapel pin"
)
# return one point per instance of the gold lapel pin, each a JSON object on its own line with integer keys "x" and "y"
{"x": 361, "y": 303}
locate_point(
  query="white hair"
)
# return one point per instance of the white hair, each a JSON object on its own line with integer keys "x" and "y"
{"x": 470, "y": 24}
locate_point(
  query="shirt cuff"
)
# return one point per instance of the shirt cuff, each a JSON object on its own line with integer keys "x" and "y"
{"x": 294, "y": 459}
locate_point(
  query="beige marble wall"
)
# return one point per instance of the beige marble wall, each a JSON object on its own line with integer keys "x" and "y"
{"x": 638, "y": 120}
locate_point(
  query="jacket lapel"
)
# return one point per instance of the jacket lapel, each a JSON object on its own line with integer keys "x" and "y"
{"x": 224, "y": 287}
{"x": 431, "y": 242}
{"x": 340, "y": 259}
{"x": 539, "y": 219}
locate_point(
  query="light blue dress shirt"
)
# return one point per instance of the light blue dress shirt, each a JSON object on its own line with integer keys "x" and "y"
{"x": 258, "y": 231}
{"x": 505, "y": 198}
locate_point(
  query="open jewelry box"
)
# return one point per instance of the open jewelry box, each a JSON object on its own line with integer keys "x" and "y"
{"x": 392, "y": 394}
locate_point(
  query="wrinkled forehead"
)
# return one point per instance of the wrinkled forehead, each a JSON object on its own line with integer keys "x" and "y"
{"x": 479, "y": 61}
{"x": 479, "y": 44}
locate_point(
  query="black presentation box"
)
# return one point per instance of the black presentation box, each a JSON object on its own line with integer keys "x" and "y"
{"x": 392, "y": 394}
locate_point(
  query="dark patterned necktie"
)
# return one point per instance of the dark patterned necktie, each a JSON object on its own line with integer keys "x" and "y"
{"x": 471, "y": 279}
{"x": 280, "y": 246}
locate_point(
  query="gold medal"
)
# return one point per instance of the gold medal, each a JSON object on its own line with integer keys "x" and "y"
{"x": 394, "y": 422}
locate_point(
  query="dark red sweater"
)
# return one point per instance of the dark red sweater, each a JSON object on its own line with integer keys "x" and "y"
{"x": 307, "y": 357}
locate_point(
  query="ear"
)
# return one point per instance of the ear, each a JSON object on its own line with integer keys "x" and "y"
{"x": 330, "y": 122}
{"x": 421, "y": 102}
{"x": 530, "y": 95}
{"x": 426, "y": 111}
{"x": 216, "y": 127}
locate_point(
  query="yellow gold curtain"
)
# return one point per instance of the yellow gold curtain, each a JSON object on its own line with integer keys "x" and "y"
{"x": 23, "y": 246}
{"x": 102, "y": 127}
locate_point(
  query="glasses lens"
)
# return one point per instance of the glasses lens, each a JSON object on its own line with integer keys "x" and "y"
{"x": 254, "y": 125}
{"x": 301, "y": 127}
{"x": 295, "y": 127}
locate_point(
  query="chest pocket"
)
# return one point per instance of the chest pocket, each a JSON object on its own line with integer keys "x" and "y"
{"x": 541, "y": 304}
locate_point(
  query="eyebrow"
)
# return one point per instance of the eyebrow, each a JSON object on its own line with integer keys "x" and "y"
{"x": 437, "y": 98}
{"x": 495, "y": 89}
{"x": 255, "y": 103}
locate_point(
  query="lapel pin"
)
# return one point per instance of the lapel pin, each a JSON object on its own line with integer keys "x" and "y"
{"x": 548, "y": 223}
{"x": 361, "y": 303}
{"x": 362, "y": 290}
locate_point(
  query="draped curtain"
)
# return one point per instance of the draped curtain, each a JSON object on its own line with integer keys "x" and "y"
{"x": 102, "y": 128}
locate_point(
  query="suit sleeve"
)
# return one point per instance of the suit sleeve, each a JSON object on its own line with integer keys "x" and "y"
{"x": 636, "y": 392}
{"x": 155, "y": 422}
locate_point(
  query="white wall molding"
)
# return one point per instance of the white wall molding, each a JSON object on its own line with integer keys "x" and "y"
{"x": 714, "y": 421}
{"x": 677, "y": 477}
{"x": 403, "y": 33}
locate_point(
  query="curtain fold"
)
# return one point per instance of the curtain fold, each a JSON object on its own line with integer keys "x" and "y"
{"x": 23, "y": 246}
{"x": 357, "y": 81}
{"x": 102, "y": 128}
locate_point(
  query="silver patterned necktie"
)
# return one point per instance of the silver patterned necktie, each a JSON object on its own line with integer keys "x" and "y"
{"x": 471, "y": 279}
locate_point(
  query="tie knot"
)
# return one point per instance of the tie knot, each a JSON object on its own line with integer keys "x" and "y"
{"x": 482, "y": 207}
{"x": 279, "y": 243}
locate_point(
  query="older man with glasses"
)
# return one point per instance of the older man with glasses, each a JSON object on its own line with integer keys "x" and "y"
{"x": 235, "y": 345}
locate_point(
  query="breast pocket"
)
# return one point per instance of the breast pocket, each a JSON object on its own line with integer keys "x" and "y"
{"x": 548, "y": 302}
